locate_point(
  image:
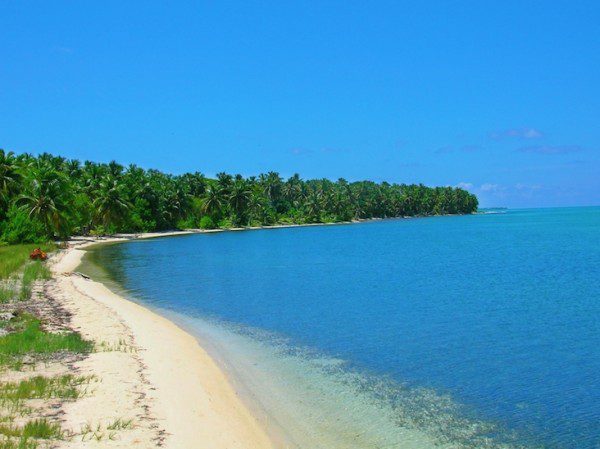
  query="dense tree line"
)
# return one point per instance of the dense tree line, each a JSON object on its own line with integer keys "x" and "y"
{"x": 48, "y": 196}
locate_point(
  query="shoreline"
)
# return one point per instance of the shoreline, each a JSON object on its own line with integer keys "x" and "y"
{"x": 122, "y": 237}
{"x": 185, "y": 396}
{"x": 183, "y": 388}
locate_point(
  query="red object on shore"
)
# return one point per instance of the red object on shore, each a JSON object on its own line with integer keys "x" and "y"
{"x": 38, "y": 254}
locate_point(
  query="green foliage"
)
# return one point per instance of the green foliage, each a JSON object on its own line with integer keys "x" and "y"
{"x": 20, "y": 444}
{"x": 225, "y": 223}
{"x": 140, "y": 218}
{"x": 33, "y": 429}
{"x": 28, "y": 338}
{"x": 186, "y": 223}
{"x": 18, "y": 227}
{"x": 120, "y": 424}
{"x": 82, "y": 213}
{"x": 33, "y": 271}
{"x": 206, "y": 222}
{"x": 48, "y": 196}
{"x": 41, "y": 387}
{"x": 7, "y": 292}
{"x": 41, "y": 429}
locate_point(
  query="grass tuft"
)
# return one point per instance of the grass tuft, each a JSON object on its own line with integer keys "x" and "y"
{"x": 40, "y": 387}
{"x": 119, "y": 346}
{"x": 42, "y": 429}
{"x": 120, "y": 424}
{"x": 99, "y": 432}
{"x": 32, "y": 272}
{"x": 15, "y": 437}
{"x": 22, "y": 444}
{"x": 8, "y": 291}
{"x": 30, "y": 339}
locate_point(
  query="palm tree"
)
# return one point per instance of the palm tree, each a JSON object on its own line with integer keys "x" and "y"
{"x": 238, "y": 200}
{"x": 46, "y": 198}
{"x": 292, "y": 190}
{"x": 224, "y": 180}
{"x": 115, "y": 169}
{"x": 111, "y": 202}
{"x": 212, "y": 200}
{"x": 61, "y": 193}
{"x": 9, "y": 178}
{"x": 257, "y": 207}
{"x": 312, "y": 205}
{"x": 9, "y": 174}
{"x": 73, "y": 168}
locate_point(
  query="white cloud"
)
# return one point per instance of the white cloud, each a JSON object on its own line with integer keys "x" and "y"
{"x": 300, "y": 151}
{"x": 521, "y": 186}
{"x": 488, "y": 187}
{"x": 518, "y": 133}
{"x": 465, "y": 185}
{"x": 531, "y": 133}
{"x": 551, "y": 149}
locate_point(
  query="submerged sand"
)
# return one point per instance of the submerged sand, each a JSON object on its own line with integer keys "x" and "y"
{"x": 149, "y": 371}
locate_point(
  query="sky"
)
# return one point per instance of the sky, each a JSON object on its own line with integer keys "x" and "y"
{"x": 500, "y": 98}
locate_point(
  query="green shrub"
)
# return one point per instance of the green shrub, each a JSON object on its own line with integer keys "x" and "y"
{"x": 207, "y": 222}
{"x": 329, "y": 218}
{"x": 20, "y": 228}
{"x": 188, "y": 223}
{"x": 225, "y": 223}
{"x": 102, "y": 231}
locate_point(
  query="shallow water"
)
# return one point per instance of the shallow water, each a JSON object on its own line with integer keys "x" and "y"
{"x": 472, "y": 331}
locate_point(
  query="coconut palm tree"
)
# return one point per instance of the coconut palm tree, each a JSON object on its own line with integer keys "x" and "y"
{"x": 111, "y": 202}
{"x": 64, "y": 194}
{"x": 292, "y": 190}
{"x": 213, "y": 200}
{"x": 238, "y": 200}
{"x": 9, "y": 172}
{"x": 9, "y": 179}
{"x": 46, "y": 197}
{"x": 312, "y": 205}
{"x": 257, "y": 207}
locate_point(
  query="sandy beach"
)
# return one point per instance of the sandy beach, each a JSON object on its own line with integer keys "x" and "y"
{"x": 148, "y": 371}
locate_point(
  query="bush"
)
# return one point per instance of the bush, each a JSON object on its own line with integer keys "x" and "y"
{"x": 188, "y": 223}
{"x": 207, "y": 222}
{"x": 225, "y": 223}
{"x": 19, "y": 228}
{"x": 329, "y": 218}
{"x": 140, "y": 217}
{"x": 101, "y": 231}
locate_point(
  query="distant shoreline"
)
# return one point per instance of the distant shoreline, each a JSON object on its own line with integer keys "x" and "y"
{"x": 121, "y": 237}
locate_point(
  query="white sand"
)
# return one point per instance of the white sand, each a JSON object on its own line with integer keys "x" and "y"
{"x": 148, "y": 370}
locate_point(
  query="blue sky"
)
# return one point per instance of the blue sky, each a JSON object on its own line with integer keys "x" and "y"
{"x": 502, "y": 98}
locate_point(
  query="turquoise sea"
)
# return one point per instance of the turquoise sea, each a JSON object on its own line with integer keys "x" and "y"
{"x": 478, "y": 331}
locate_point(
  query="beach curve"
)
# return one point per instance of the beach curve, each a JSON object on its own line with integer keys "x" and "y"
{"x": 150, "y": 368}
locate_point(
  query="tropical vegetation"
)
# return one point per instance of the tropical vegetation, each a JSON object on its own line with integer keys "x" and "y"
{"x": 46, "y": 196}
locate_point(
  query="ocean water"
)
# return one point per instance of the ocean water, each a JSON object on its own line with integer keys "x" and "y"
{"x": 477, "y": 331}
